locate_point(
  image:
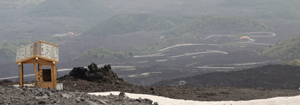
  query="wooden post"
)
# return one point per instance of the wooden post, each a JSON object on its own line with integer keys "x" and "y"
{"x": 54, "y": 81}
{"x": 53, "y": 74}
{"x": 36, "y": 73}
{"x": 39, "y": 75}
{"x": 21, "y": 75}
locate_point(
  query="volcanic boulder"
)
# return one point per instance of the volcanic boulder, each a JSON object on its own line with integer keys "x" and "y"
{"x": 78, "y": 72}
{"x": 94, "y": 74}
{"x": 93, "y": 68}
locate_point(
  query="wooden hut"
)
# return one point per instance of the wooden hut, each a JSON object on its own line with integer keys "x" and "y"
{"x": 39, "y": 54}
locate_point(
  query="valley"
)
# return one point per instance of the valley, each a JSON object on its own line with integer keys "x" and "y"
{"x": 205, "y": 50}
{"x": 181, "y": 60}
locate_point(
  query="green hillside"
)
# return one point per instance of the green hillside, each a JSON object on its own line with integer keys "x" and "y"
{"x": 72, "y": 8}
{"x": 295, "y": 62}
{"x": 212, "y": 23}
{"x": 103, "y": 53}
{"x": 285, "y": 50}
{"x": 126, "y": 23}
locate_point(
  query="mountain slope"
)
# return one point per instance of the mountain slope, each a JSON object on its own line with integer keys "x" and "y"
{"x": 288, "y": 9}
{"x": 18, "y": 3}
{"x": 77, "y": 8}
{"x": 270, "y": 76}
{"x": 212, "y": 23}
{"x": 285, "y": 50}
{"x": 126, "y": 23}
{"x": 102, "y": 53}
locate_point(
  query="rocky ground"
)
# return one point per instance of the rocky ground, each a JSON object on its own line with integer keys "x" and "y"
{"x": 182, "y": 92}
{"x": 104, "y": 79}
{"x": 71, "y": 96}
{"x": 33, "y": 96}
{"x": 179, "y": 92}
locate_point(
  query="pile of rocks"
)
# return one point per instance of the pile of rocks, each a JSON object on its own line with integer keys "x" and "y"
{"x": 5, "y": 81}
{"x": 32, "y": 96}
{"x": 94, "y": 74}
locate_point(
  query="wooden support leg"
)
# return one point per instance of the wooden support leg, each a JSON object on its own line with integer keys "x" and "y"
{"x": 54, "y": 72}
{"x": 53, "y": 75}
{"x": 21, "y": 75}
{"x": 39, "y": 79}
{"x": 36, "y": 75}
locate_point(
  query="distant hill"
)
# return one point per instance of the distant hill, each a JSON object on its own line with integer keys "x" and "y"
{"x": 287, "y": 9}
{"x": 72, "y": 8}
{"x": 213, "y": 23}
{"x": 285, "y": 50}
{"x": 18, "y": 3}
{"x": 126, "y": 23}
{"x": 7, "y": 53}
{"x": 102, "y": 53}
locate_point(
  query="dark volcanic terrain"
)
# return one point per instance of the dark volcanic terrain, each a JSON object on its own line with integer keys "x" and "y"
{"x": 255, "y": 88}
{"x": 269, "y": 76}
{"x": 282, "y": 81}
{"x": 241, "y": 85}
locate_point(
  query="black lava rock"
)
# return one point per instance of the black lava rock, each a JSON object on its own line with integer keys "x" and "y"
{"x": 34, "y": 96}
